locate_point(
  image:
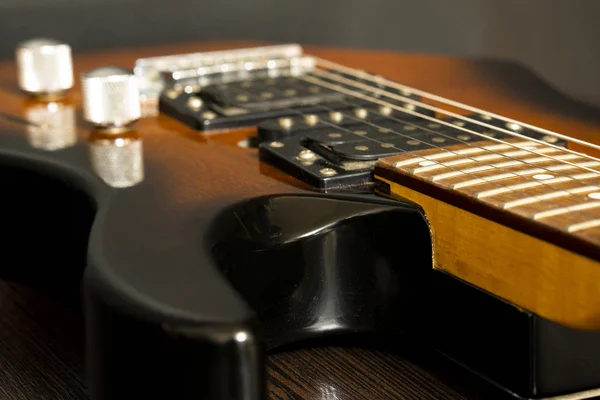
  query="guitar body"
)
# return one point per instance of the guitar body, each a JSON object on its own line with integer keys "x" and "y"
{"x": 212, "y": 256}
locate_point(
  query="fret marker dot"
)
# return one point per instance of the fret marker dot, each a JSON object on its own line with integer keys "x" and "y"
{"x": 387, "y": 145}
{"x": 427, "y": 163}
{"x": 409, "y": 128}
{"x": 384, "y": 130}
{"x": 464, "y": 137}
{"x": 595, "y": 195}
{"x": 361, "y": 133}
{"x": 413, "y": 142}
{"x": 459, "y": 123}
{"x": 335, "y": 135}
{"x": 543, "y": 177}
{"x": 361, "y": 148}
{"x": 434, "y": 126}
{"x": 438, "y": 140}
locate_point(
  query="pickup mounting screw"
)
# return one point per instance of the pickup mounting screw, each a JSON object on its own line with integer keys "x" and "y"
{"x": 209, "y": 115}
{"x": 195, "y": 103}
{"x": 327, "y": 172}
{"x": 307, "y": 155}
{"x": 286, "y": 123}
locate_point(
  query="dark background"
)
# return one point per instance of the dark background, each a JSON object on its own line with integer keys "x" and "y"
{"x": 556, "y": 38}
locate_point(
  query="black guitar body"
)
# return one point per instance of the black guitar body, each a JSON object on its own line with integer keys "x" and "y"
{"x": 258, "y": 274}
{"x": 214, "y": 256}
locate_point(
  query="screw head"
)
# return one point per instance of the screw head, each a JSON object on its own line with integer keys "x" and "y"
{"x": 195, "y": 103}
{"x": 286, "y": 123}
{"x": 276, "y": 144}
{"x": 307, "y": 155}
{"x": 327, "y": 172}
{"x": 209, "y": 115}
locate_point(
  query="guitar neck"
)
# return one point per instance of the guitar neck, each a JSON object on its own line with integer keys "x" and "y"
{"x": 509, "y": 217}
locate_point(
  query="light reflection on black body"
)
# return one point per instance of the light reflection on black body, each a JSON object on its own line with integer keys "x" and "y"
{"x": 52, "y": 126}
{"x": 316, "y": 266}
{"x": 117, "y": 158}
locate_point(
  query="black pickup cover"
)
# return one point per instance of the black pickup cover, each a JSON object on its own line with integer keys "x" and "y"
{"x": 345, "y": 133}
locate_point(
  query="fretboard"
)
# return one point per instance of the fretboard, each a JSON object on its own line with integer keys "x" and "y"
{"x": 548, "y": 187}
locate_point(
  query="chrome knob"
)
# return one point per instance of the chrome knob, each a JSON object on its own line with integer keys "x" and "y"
{"x": 44, "y": 67}
{"x": 111, "y": 97}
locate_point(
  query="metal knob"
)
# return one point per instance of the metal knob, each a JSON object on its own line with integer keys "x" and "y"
{"x": 44, "y": 67}
{"x": 111, "y": 97}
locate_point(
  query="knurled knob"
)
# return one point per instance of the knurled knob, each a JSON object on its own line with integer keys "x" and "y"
{"x": 44, "y": 67}
{"x": 111, "y": 97}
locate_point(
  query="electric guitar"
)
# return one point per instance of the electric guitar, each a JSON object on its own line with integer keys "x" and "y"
{"x": 239, "y": 199}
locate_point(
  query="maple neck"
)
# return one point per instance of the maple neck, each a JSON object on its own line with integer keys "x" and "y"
{"x": 541, "y": 190}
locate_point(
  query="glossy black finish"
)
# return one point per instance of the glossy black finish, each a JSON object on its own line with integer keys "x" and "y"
{"x": 314, "y": 266}
{"x": 140, "y": 316}
{"x": 259, "y": 99}
{"x": 349, "y": 149}
{"x": 516, "y": 350}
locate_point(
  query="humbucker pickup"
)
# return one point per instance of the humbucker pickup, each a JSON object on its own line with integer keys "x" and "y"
{"x": 326, "y": 129}
{"x": 343, "y": 155}
{"x": 246, "y": 103}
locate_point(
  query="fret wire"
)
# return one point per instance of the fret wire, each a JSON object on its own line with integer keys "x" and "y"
{"x": 343, "y": 90}
{"x": 349, "y": 116}
{"x": 573, "y": 192}
{"x": 377, "y": 79}
{"x": 448, "y": 113}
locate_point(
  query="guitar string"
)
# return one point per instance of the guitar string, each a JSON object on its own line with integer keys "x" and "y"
{"x": 563, "y": 162}
{"x": 498, "y": 184}
{"x": 495, "y": 183}
{"x": 440, "y": 99}
{"x": 440, "y": 121}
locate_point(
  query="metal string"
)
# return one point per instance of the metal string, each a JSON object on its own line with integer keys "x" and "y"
{"x": 437, "y": 120}
{"x": 379, "y": 80}
{"x": 334, "y": 87}
{"x": 496, "y": 183}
